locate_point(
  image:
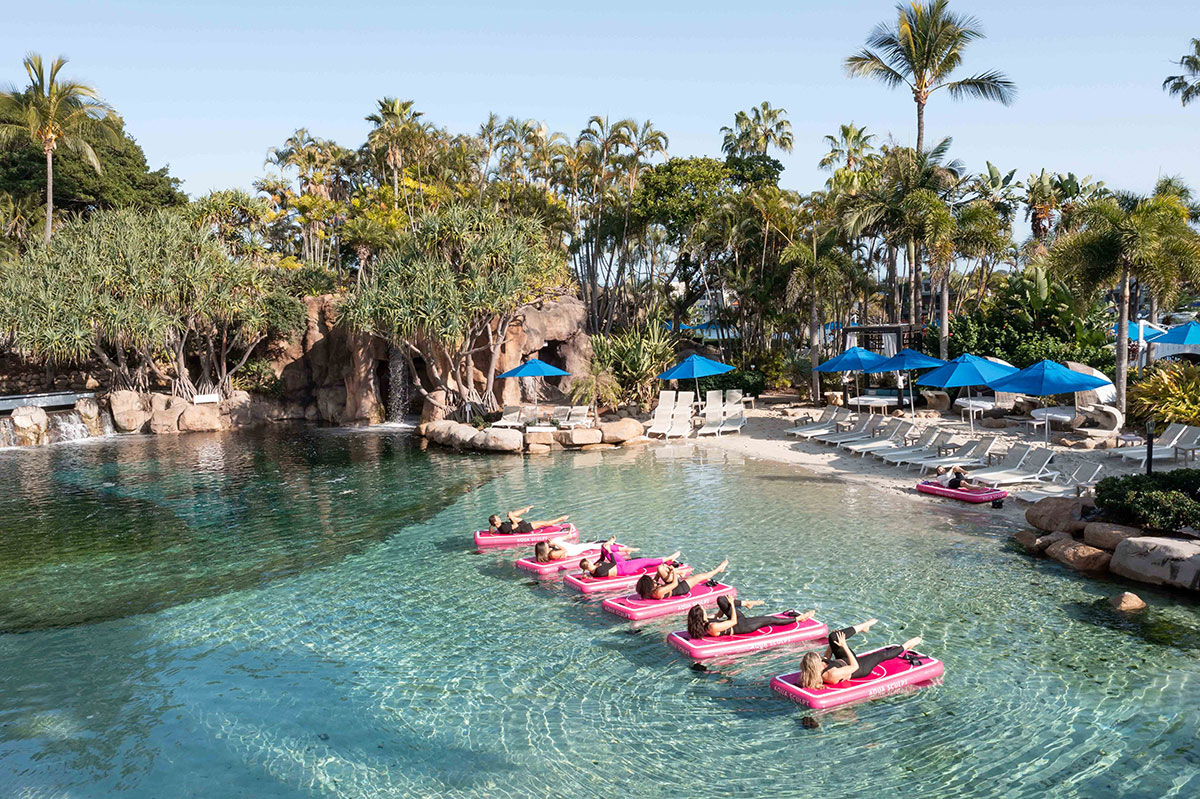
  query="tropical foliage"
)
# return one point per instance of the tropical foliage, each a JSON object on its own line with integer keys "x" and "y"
{"x": 447, "y": 293}
{"x": 1186, "y": 86}
{"x": 634, "y": 357}
{"x": 1167, "y": 501}
{"x": 1168, "y": 392}
{"x": 148, "y": 295}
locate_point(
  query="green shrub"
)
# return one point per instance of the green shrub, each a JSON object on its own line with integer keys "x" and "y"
{"x": 751, "y": 381}
{"x": 308, "y": 281}
{"x": 1170, "y": 392}
{"x": 258, "y": 377}
{"x": 634, "y": 358}
{"x": 1162, "y": 501}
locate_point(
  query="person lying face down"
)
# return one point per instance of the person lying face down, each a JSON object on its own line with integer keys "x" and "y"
{"x": 516, "y": 523}
{"x": 666, "y": 582}
{"x": 613, "y": 561}
{"x": 727, "y": 620}
{"x": 839, "y": 663}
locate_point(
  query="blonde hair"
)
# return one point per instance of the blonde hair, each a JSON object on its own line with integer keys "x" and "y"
{"x": 812, "y": 669}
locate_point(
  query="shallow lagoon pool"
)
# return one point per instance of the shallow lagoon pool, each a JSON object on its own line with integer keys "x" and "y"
{"x": 301, "y": 614}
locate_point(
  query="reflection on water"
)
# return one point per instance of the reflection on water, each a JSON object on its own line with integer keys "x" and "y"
{"x": 393, "y": 661}
{"x": 129, "y": 526}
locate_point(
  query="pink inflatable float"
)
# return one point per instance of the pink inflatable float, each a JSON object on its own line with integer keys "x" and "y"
{"x": 634, "y": 607}
{"x": 485, "y": 539}
{"x": 586, "y": 584}
{"x": 556, "y": 566}
{"x": 788, "y": 631}
{"x": 890, "y": 676}
{"x": 972, "y": 495}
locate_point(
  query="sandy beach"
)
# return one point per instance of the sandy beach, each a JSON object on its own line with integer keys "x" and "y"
{"x": 763, "y": 438}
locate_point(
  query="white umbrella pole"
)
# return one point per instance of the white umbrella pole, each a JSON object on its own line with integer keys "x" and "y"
{"x": 970, "y": 411}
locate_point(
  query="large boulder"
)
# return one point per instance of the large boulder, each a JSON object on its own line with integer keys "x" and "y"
{"x": 1127, "y": 603}
{"x": 201, "y": 419}
{"x": 1107, "y": 536}
{"x": 1159, "y": 561}
{"x": 539, "y": 437}
{"x": 331, "y": 402}
{"x": 439, "y": 432}
{"x": 578, "y": 436}
{"x": 620, "y": 431}
{"x": 130, "y": 411}
{"x": 238, "y": 409}
{"x": 501, "y": 439}
{"x": 362, "y": 404}
{"x": 88, "y": 409}
{"x": 1055, "y": 514}
{"x": 1036, "y": 543}
{"x": 165, "y": 411}
{"x": 31, "y": 426}
{"x": 1080, "y": 557}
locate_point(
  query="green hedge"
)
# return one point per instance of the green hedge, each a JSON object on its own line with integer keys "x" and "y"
{"x": 1164, "y": 501}
{"x": 751, "y": 381}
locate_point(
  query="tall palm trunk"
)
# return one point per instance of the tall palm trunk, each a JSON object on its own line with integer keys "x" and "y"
{"x": 944, "y": 319}
{"x": 1154, "y": 319}
{"x": 1122, "y": 374}
{"x": 920, "y": 126}
{"x": 893, "y": 287}
{"x": 914, "y": 285}
{"x": 49, "y": 149}
{"x": 814, "y": 341}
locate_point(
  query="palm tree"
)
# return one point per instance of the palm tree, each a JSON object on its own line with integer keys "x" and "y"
{"x": 393, "y": 123}
{"x": 921, "y": 51}
{"x": 757, "y": 131}
{"x": 1186, "y": 86}
{"x": 50, "y": 112}
{"x": 1119, "y": 238}
{"x": 848, "y": 148}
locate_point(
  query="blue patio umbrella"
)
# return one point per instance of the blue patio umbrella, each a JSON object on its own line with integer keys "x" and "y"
{"x": 695, "y": 367}
{"x": 534, "y": 368}
{"x": 1046, "y": 378}
{"x": 855, "y": 359}
{"x": 1188, "y": 334}
{"x": 965, "y": 371}
{"x": 1148, "y": 334}
{"x": 906, "y": 360}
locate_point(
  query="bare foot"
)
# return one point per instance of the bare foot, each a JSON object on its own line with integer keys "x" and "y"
{"x": 806, "y": 615}
{"x": 721, "y": 567}
{"x": 673, "y": 556}
{"x": 866, "y": 625}
{"x": 912, "y": 643}
{"x": 753, "y": 603}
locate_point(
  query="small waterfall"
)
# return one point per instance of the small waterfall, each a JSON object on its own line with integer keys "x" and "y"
{"x": 7, "y": 437}
{"x": 399, "y": 386}
{"x": 106, "y": 421}
{"x": 66, "y": 426}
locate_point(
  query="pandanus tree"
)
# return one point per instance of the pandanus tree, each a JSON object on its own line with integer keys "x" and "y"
{"x": 1119, "y": 238}
{"x": 50, "y": 113}
{"x": 447, "y": 294}
{"x": 921, "y": 50}
{"x": 1186, "y": 86}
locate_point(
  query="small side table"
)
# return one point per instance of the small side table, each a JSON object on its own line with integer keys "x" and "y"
{"x": 1187, "y": 450}
{"x": 1032, "y": 425}
{"x": 1129, "y": 440}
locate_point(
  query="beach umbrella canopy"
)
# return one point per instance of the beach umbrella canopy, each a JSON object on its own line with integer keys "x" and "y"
{"x": 905, "y": 360}
{"x": 535, "y": 368}
{"x": 695, "y": 367}
{"x": 1149, "y": 334}
{"x": 855, "y": 359}
{"x": 1045, "y": 378}
{"x": 1188, "y": 334}
{"x": 965, "y": 371}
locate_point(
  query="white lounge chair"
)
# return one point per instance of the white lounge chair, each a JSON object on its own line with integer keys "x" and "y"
{"x": 881, "y": 432}
{"x": 825, "y": 421}
{"x": 1164, "y": 443}
{"x": 1035, "y": 470}
{"x": 1011, "y": 461}
{"x": 681, "y": 422}
{"x": 713, "y": 399}
{"x": 924, "y": 440}
{"x": 1083, "y": 478}
{"x": 714, "y": 416}
{"x": 510, "y": 417}
{"x": 862, "y": 429}
{"x": 940, "y": 447}
{"x": 733, "y": 396}
{"x": 970, "y": 454}
{"x": 560, "y": 415}
{"x": 735, "y": 419}
{"x": 667, "y": 399}
{"x": 578, "y": 416}
{"x": 882, "y": 444}
{"x": 845, "y": 424}
{"x": 684, "y": 400}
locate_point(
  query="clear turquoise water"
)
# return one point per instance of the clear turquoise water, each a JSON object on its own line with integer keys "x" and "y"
{"x": 302, "y": 615}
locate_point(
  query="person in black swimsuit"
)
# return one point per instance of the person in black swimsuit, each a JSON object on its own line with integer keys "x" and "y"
{"x": 839, "y": 663}
{"x": 515, "y": 523}
{"x": 667, "y": 582}
{"x": 727, "y": 620}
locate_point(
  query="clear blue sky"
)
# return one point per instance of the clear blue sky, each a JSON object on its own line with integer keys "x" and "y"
{"x": 208, "y": 87}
